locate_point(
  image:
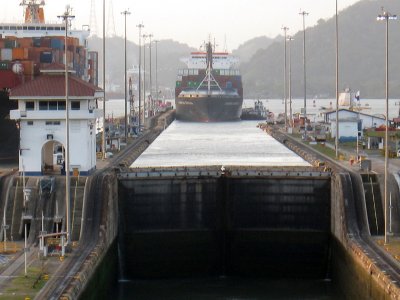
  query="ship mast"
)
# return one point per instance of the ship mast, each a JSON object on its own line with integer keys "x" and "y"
{"x": 34, "y": 11}
{"x": 209, "y": 67}
{"x": 209, "y": 76}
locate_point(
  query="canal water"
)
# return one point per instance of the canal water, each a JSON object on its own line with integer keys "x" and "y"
{"x": 226, "y": 289}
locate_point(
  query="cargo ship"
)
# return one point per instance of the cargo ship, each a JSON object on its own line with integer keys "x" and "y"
{"x": 26, "y": 48}
{"x": 210, "y": 88}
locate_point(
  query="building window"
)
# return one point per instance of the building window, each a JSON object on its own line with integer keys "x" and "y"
{"x": 61, "y": 105}
{"x": 43, "y": 105}
{"x": 75, "y": 105}
{"x": 30, "y": 123}
{"x": 52, "y": 105}
{"x": 30, "y": 105}
{"x": 52, "y": 122}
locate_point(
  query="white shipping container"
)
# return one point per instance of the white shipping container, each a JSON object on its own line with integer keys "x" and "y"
{"x": 6, "y": 54}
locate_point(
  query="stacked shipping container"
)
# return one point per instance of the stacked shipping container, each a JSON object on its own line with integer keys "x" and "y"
{"x": 32, "y": 54}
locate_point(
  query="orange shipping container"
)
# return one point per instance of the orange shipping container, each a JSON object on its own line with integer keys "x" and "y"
{"x": 28, "y": 67}
{"x": 18, "y": 53}
{"x": 25, "y": 42}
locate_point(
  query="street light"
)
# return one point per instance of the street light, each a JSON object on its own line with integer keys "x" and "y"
{"x": 304, "y": 14}
{"x": 386, "y": 16}
{"x": 290, "y": 39}
{"x": 125, "y": 13}
{"x": 66, "y": 17}
{"x": 156, "y": 42}
{"x": 140, "y": 26}
{"x": 103, "y": 135}
{"x": 151, "y": 86}
{"x": 144, "y": 36}
{"x": 337, "y": 84}
{"x": 285, "y": 29}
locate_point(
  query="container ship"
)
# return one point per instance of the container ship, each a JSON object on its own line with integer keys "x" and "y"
{"x": 25, "y": 49}
{"x": 210, "y": 88}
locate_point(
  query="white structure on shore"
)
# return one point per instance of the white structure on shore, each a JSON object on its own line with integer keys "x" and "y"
{"x": 350, "y": 122}
{"x": 41, "y": 116}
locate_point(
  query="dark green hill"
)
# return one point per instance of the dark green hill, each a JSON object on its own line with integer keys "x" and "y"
{"x": 361, "y": 61}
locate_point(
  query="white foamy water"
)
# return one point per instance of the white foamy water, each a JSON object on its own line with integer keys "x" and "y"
{"x": 241, "y": 143}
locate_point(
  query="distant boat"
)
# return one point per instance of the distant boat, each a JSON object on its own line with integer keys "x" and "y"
{"x": 258, "y": 112}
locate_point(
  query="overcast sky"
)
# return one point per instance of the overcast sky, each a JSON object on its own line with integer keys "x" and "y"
{"x": 191, "y": 22}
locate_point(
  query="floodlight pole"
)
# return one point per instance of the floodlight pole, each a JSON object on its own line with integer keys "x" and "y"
{"x": 304, "y": 14}
{"x": 66, "y": 17}
{"x": 337, "y": 84}
{"x": 103, "y": 134}
{"x": 290, "y": 39}
{"x": 386, "y": 16}
{"x": 285, "y": 29}
{"x": 144, "y": 36}
{"x": 125, "y": 13}
{"x": 156, "y": 42}
{"x": 140, "y": 26}
{"x": 150, "y": 81}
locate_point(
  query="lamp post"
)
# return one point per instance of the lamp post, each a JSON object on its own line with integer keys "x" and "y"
{"x": 156, "y": 42}
{"x": 144, "y": 36}
{"x": 285, "y": 29}
{"x": 103, "y": 135}
{"x": 290, "y": 39}
{"x": 150, "y": 82}
{"x": 125, "y": 13}
{"x": 66, "y": 17}
{"x": 337, "y": 84}
{"x": 304, "y": 14}
{"x": 386, "y": 16}
{"x": 140, "y": 26}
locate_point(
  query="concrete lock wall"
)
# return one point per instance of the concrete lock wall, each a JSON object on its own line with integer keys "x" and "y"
{"x": 231, "y": 226}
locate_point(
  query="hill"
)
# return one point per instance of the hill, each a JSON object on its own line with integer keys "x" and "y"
{"x": 246, "y": 50}
{"x": 169, "y": 53}
{"x": 361, "y": 57}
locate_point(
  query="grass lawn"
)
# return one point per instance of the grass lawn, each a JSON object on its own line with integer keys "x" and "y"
{"x": 22, "y": 287}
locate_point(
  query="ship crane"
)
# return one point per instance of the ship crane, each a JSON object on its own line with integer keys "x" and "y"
{"x": 34, "y": 11}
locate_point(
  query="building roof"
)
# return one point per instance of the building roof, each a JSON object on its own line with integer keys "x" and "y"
{"x": 354, "y": 112}
{"x": 52, "y": 84}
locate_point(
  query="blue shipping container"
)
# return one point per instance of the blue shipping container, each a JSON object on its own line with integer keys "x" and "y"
{"x": 57, "y": 44}
{"x": 46, "y": 57}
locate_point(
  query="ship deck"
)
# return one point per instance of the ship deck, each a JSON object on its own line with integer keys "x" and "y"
{"x": 241, "y": 143}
